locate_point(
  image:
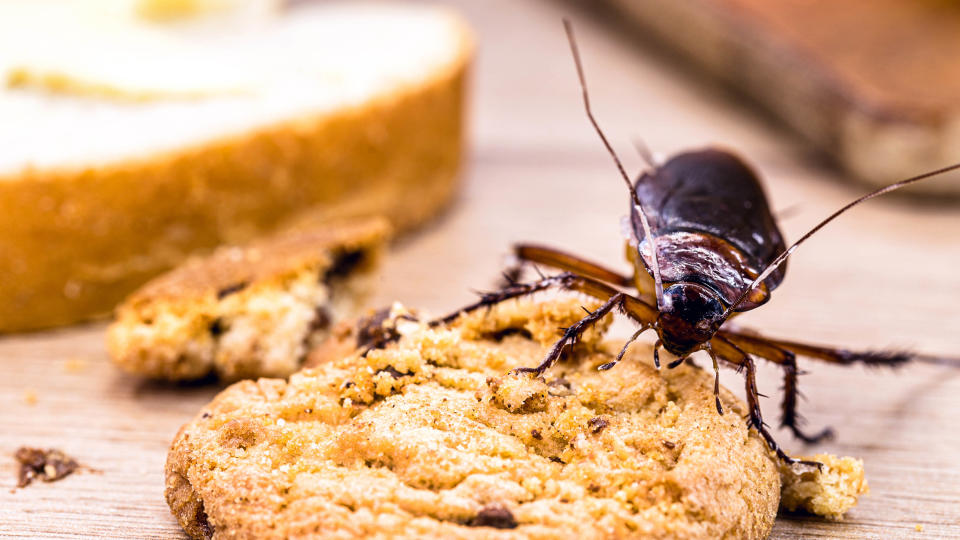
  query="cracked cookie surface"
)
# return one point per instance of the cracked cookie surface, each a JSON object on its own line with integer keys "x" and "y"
{"x": 430, "y": 437}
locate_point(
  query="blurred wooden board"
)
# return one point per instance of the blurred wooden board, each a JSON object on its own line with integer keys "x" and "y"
{"x": 883, "y": 276}
{"x": 872, "y": 83}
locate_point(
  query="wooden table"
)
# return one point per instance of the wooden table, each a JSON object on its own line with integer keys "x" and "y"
{"x": 883, "y": 276}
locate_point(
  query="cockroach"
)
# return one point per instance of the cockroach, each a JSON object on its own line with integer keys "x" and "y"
{"x": 704, "y": 246}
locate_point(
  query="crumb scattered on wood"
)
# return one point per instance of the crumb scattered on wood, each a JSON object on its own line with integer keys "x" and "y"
{"x": 918, "y": 527}
{"x": 30, "y": 396}
{"x": 74, "y": 365}
{"x": 829, "y": 492}
{"x": 48, "y": 465}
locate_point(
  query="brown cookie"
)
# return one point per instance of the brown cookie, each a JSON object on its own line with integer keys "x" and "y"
{"x": 253, "y": 311}
{"x": 430, "y": 437}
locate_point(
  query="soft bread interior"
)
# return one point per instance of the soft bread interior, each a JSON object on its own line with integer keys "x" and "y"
{"x": 87, "y": 82}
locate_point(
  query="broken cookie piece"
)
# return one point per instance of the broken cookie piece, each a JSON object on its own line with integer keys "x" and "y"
{"x": 251, "y": 311}
{"x": 48, "y": 465}
{"x": 827, "y": 492}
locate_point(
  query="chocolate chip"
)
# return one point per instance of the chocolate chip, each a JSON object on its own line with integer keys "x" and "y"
{"x": 506, "y": 332}
{"x": 344, "y": 264}
{"x": 48, "y": 465}
{"x": 230, "y": 289}
{"x": 555, "y": 459}
{"x": 394, "y": 372}
{"x": 494, "y": 515}
{"x": 374, "y": 332}
{"x": 217, "y": 328}
{"x": 536, "y": 434}
{"x": 597, "y": 424}
{"x": 669, "y": 444}
{"x": 321, "y": 319}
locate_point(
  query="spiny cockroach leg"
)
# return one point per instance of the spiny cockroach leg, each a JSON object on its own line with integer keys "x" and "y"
{"x": 656, "y": 353}
{"x": 490, "y": 299}
{"x": 572, "y": 334}
{"x": 772, "y": 351}
{"x": 844, "y": 356}
{"x": 731, "y": 353}
{"x": 638, "y": 310}
{"x": 790, "y": 418}
{"x": 633, "y": 307}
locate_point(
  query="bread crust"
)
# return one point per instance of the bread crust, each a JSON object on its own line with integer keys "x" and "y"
{"x": 76, "y": 241}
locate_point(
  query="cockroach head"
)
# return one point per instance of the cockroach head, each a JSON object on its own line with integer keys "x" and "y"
{"x": 689, "y": 317}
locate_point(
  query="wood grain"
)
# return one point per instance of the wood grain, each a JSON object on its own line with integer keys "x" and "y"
{"x": 886, "y": 275}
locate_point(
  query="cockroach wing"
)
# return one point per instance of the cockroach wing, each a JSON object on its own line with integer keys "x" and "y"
{"x": 712, "y": 224}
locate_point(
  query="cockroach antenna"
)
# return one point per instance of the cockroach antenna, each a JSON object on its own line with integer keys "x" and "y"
{"x": 658, "y": 282}
{"x": 789, "y": 251}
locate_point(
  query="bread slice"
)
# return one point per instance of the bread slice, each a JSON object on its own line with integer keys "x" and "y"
{"x": 129, "y": 144}
{"x": 871, "y": 82}
{"x": 253, "y": 311}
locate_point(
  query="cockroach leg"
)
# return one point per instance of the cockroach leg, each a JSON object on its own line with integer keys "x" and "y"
{"x": 716, "y": 378}
{"x": 790, "y": 418}
{"x": 771, "y": 351}
{"x": 516, "y": 290}
{"x": 530, "y": 253}
{"x": 635, "y": 308}
{"x": 656, "y": 353}
{"x": 841, "y": 356}
{"x": 572, "y": 334}
{"x": 732, "y": 354}
{"x": 623, "y": 351}
{"x": 676, "y": 362}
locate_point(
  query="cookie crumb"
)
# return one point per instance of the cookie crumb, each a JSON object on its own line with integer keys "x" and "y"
{"x": 494, "y": 515}
{"x": 48, "y": 465}
{"x": 30, "y": 396}
{"x": 518, "y": 394}
{"x": 74, "y": 364}
{"x": 918, "y": 527}
{"x": 829, "y": 492}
